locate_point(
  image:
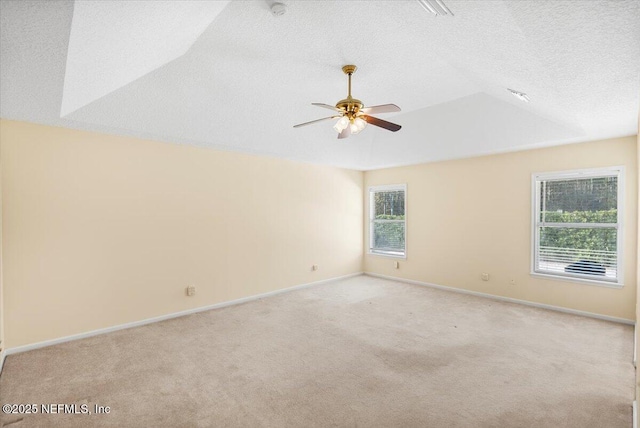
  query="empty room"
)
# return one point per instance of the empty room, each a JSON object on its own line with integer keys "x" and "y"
{"x": 299, "y": 213}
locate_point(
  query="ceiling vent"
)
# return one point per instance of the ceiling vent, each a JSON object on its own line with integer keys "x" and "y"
{"x": 437, "y": 7}
{"x": 519, "y": 95}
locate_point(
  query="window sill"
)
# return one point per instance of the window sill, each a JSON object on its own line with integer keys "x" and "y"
{"x": 607, "y": 284}
{"x": 389, "y": 255}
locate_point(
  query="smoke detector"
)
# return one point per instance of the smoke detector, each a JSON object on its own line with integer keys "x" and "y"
{"x": 278, "y": 9}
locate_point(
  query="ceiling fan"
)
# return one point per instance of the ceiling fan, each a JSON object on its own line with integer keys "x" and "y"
{"x": 352, "y": 115}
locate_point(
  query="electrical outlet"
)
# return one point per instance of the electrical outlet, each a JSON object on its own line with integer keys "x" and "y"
{"x": 314, "y": 267}
{"x": 396, "y": 265}
{"x": 485, "y": 276}
{"x": 191, "y": 290}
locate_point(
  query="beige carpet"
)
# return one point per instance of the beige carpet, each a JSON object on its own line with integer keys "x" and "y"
{"x": 362, "y": 352}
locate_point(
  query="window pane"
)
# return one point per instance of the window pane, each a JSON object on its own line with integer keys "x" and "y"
{"x": 389, "y": 205}
{"x": 579, "y": 251}
{"x": 388, "y": 236}
{"x": 588, "y": 200}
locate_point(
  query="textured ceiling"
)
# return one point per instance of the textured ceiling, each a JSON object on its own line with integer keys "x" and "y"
{"x": 231, "y": 76}
{"x": 112, "y": 45}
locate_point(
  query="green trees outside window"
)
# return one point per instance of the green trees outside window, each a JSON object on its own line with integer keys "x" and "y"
{"x": 388, "y": 221}
{"x": 577, "y": 223}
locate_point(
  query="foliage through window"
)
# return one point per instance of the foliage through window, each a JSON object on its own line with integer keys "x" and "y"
{"x": 387, "y": 220}
{"x": 577, "y": 226}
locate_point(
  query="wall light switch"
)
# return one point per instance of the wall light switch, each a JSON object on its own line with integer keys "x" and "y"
{"x": 191, "y": 290}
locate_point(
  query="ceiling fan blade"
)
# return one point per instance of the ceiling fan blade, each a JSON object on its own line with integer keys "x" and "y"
{"x": 334, "y": 108}
{"x": 384, "y": 108}
{"x": 346, "y": 132}
{"x": 314, "y": 121}
{"x": 381, "y": 123}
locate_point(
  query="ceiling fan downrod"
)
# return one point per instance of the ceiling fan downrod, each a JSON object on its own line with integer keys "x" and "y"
{"x": 350, "y": 105}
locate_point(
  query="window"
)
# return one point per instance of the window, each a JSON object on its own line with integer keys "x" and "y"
{"x": 387, "y": 229}
{"x": 577, "y": 225}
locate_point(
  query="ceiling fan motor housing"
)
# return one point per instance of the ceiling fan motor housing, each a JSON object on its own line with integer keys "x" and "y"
{"x": 351, "y": 106}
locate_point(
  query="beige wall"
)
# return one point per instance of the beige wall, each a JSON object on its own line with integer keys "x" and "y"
{"x": 102, "y": 230}
{"x": 2, "y": 344}
{"x": 638, "y": 278}
{"x": 469, "y": 216}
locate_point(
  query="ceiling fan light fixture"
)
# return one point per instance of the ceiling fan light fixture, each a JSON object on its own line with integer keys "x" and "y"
{"x": 341, "y": 124}
{"x": 436, "y": 7}
{"x": 357, "y": 125}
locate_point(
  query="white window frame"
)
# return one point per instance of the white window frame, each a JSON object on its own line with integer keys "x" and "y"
{"x": 617, "y": 171}
{"x": 386, "y": 188}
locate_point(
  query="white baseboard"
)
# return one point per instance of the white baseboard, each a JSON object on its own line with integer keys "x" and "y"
{"x": 635, "y": 346}
{"x": 507, "y": 299}
{"x": 25, "y": 348}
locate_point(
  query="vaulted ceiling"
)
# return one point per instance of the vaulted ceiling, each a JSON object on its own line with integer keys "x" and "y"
{"x": 230, "y": 75}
